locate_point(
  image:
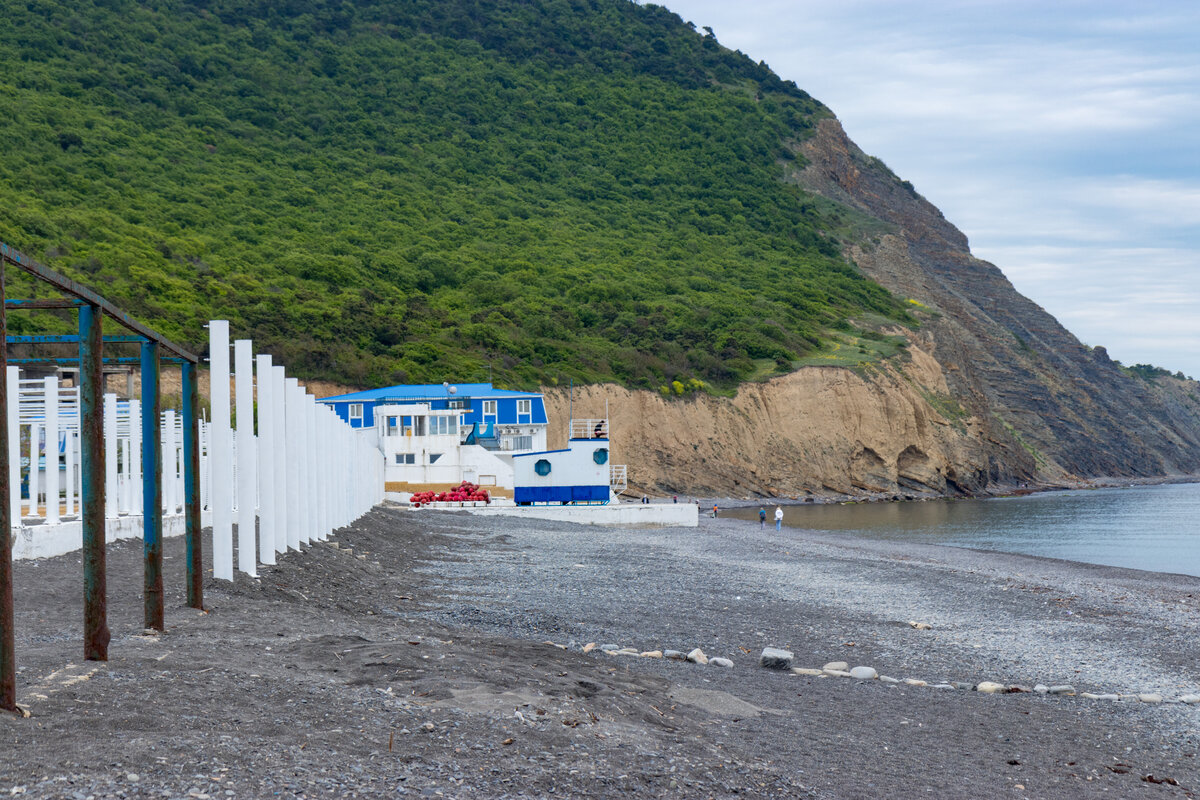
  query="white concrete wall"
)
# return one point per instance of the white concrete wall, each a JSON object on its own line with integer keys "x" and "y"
{"x": 634, "y": 515}
{"x": 575, "y": 466}
{"x": 47, "y": 541}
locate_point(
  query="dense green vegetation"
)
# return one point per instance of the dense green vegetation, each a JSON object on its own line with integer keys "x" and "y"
{"x": 381, "y": 192}
{"x": 1151, "y": 373}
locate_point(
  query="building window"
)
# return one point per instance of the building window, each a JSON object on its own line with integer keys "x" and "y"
{"x": 433, "y": 457}
{"x": 523, "y": 406}
{"x": 356, "y": 412}
{"x": 489, "y": 407}
{"x": 600, "y": 456}
{"x": 406, "y": 458}
{"x": 542, "y": 467}
{"x": 457, "y": 404}
{"x": 522, "y": 443}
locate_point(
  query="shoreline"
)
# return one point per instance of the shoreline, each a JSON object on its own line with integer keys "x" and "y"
{"x": 1001, "y": 490}
{"x": 445, "y": 653}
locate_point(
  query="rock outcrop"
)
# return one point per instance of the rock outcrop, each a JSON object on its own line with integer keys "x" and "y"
{"x": 994, "y": 392}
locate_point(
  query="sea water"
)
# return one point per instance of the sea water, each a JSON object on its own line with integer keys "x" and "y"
{"x": 1153, "y": 528}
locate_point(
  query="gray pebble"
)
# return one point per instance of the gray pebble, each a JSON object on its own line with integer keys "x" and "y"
{"x": 775, "y": 658}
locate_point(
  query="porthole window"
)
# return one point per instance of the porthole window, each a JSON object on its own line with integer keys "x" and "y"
{"x": 542, "y": 467}
{"x": 600, "y": 456}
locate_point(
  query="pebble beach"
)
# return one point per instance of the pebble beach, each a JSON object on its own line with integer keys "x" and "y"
{"x": 431, "y": 653}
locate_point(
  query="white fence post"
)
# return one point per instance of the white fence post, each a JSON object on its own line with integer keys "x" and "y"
{"x": 134, "y": 489}
{"x": 51, "y": 417}
{"x": 247, "y": 474}
{"x": 111, "y": 509}
{"x": 35, "y": 436}
{"x": 221, "y": 455}
{"x": 305, "y": 475}
{"x": 169, "y": 463}
{"x": 13, "y": 396}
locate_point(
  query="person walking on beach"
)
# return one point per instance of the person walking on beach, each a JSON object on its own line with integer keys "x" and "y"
{"x": 778, "y": 517}
{"x": 714, "y": 510}
{"x": 762, "y": 518}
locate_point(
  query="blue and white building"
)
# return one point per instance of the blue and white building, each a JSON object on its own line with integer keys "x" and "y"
{"x": 579, "y": 474}
{"x": 443, "y": 434}
{"x": 514, "y": 414}
{"x": 435, "y": 436}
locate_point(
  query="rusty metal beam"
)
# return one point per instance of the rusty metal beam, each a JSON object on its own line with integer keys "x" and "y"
{"x": 91, "y": 429}
{"x": 152, "y": 555}
{"x": 68, "y": 286}
{"x": 74, "y": 361}
{"x": 191, "y": 487}
{"x": 8, "y": 660}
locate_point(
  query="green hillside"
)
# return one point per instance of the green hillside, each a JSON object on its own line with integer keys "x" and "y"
{"x": 424, "y": 190}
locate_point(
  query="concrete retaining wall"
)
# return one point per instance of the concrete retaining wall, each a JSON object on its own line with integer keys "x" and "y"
{"x": 634, "y": 515}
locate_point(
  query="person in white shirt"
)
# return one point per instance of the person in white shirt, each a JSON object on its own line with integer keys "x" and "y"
{"x": 778, "y": 517}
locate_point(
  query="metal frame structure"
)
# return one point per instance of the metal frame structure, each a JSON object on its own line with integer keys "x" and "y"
{"x": 92, "y": 308}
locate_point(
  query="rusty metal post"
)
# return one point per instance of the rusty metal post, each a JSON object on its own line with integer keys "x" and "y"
{"x": 191, "y": 486}
{"x": 152, "y": 555}
{"x": 8, "y": 659}
{"x": 91, "y": 426}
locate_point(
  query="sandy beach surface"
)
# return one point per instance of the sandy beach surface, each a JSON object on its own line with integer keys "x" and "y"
{"x": 435, "y": 654}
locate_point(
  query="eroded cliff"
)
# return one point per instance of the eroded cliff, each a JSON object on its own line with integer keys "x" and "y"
{"x": 993, "y": 391}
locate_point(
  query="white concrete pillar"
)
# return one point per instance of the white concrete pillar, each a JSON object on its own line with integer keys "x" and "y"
{"x": 221, "y": 455}
{"x": 309, "y": 481}
{"x": 328, "y": 464}
{"x": 265, "y": 460}
{"x": 279, "y": 454}
{"x": 247, "y": 472}
{"x": 315, "y": 431}
{"x": 295, "y": 452}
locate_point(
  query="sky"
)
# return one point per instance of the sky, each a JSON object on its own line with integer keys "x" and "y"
{"x": 1062, "y": 137}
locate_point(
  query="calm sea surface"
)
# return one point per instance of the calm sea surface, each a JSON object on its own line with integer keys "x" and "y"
{"x": 1145, "y": 527}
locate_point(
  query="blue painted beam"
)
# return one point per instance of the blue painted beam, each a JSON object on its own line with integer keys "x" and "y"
{"x": 70, "y": 339}
{"x": 151, "y": 489}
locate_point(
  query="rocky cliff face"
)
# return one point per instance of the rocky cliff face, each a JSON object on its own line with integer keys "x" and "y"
{"x": 995, "y": 392}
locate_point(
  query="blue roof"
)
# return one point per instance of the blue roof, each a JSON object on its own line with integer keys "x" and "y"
{"x": 427, "y": 391}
